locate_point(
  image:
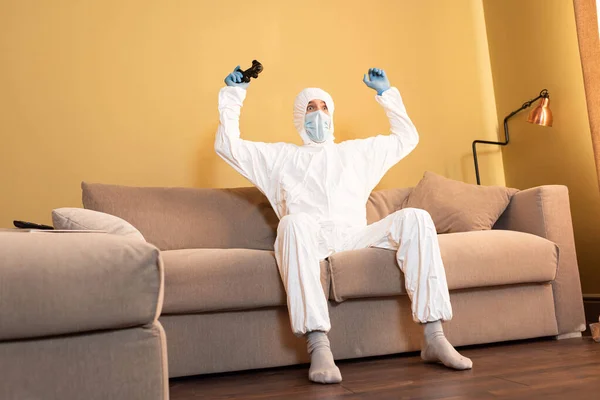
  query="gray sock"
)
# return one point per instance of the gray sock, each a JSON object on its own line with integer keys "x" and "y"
{"x": 322, "y": 366}
{"x": 436, "y": 348}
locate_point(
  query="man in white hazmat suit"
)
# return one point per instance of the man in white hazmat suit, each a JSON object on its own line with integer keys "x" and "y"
{"x": 319, "y": 192}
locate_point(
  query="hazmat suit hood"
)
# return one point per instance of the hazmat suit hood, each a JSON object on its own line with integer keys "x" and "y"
{"x": 300, "y": 104}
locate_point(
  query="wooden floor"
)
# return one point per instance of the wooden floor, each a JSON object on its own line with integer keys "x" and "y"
{"x": 541, "y": 369}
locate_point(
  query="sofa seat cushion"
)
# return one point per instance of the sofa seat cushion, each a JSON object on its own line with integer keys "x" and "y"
{"x": 204, "y": 280}
{"x": 471, "y": 259}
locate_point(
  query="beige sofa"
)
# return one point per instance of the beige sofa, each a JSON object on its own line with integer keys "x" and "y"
{"x": 78, "y": 318}
{"x": 225, "y": 306}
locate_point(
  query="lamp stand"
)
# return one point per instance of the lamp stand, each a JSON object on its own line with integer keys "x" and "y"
{"x": 527, "y": 104}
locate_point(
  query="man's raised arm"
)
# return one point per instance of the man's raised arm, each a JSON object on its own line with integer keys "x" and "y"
{"x": 382, "y": 152}
{"x": 254, "y": 160}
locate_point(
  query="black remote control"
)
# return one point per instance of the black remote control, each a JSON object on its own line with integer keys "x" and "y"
{"x": 31, "y": 225}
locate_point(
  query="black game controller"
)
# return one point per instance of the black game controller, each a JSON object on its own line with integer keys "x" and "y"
{"x": 252, "y": 72}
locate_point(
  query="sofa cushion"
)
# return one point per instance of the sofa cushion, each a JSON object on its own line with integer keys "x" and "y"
{"x": 189, "y": 218}
{"x": 202, "y": 280}
{"x": 456, "y": 206}
{"x": 71, "y": 218}
{"x": 55, "y": 283}
{"x": 471, "y": 259}
{"x": 382, "y": 203}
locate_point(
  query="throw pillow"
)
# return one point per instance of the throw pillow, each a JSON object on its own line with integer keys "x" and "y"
{"x": 82, "y": 219}
{"x": 456, "y": 206}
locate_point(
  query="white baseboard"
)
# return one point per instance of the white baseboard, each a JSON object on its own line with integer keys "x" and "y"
{"x": 568, "y": 335}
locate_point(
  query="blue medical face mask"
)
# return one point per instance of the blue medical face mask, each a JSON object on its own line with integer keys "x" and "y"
{"x": 317, "y": 125}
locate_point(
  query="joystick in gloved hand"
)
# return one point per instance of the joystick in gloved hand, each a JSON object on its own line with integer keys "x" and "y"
{"x": 241, "y": 79}
{"x": 252, "y": 72}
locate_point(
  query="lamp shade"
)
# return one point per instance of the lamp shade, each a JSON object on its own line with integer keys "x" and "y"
{"x": 541, "y": 115}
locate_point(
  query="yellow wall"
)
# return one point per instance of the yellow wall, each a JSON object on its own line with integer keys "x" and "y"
{"x": 533, "y": 45}
{"x": 125, "y": 91}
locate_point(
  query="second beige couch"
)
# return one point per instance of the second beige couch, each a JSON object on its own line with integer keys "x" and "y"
{"x": 225, "y": 306}
{"x": 78, "y": 318}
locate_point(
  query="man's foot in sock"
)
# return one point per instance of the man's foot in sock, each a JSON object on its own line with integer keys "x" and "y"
{"x": 436, "y": 348}
{"x": 322, "y": 366}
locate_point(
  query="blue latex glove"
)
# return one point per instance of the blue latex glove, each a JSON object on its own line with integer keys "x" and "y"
{"x": 377, "y": 80}
{"x": 235, "y": 79}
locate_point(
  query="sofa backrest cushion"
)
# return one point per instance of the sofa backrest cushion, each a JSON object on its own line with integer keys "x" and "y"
{"x": 457, "y": 206}
{"x": 188, "y": 218}
{"x": 192, "y": 218}
{"x": 384, "y": 202}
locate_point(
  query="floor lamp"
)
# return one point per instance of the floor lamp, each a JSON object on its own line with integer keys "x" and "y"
{"x": 541, "y": 115}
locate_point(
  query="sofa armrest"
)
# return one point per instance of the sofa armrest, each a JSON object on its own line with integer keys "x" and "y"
{"x": 545, "y": 211}
{"x": 66, "y": 283}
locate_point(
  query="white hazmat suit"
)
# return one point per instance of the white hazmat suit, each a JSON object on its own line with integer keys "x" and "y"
{"x": 320, "y": 191}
